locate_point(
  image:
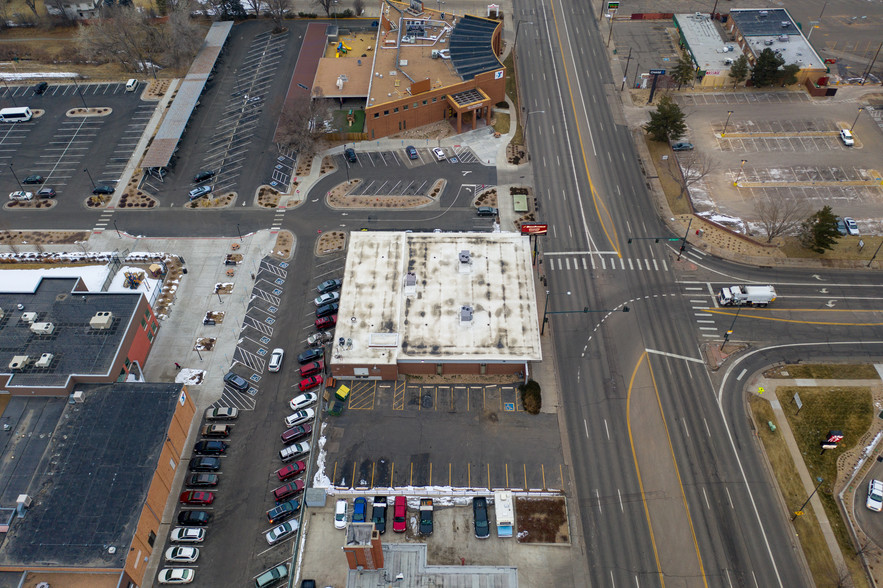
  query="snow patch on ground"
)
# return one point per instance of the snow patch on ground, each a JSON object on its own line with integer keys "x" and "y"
{"x": 320, "y": 479}
{"x": 190, "y": 377}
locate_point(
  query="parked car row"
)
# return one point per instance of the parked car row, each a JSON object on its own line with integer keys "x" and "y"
{"x": 192, "y": 523}
{"x": 425, "y": 520}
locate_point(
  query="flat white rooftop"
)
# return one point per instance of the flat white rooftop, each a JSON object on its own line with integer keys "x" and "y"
{"x": 404, "y": 295}
{"x": 713, "y": 55}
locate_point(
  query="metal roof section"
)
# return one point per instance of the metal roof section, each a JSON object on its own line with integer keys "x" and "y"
{"x": 773, "y": 28}
{"x": 472, "y": 50}
{"x": 711, "y": 53}
{"x": 439, "y": 297}
{"x": 90, "y": 484}
{"x": 166, "y": 139}
{"x": 55, "y": 332}
{"x": 469, "y": 97}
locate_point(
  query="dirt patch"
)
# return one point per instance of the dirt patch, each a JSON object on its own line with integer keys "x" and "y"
{"x": 284, "y": 246}
{"x": 223, "y": 288}
{"x": 305, "y": 165}
{"x": 327, "y": 165}
{"x": 31, "y": 204}
{"x": 204, "y": 344}
{"x": 133, "y": 197}
{"x": 486, "y": 198}
{"x": 516, "y": 154}
{"x": 42, "y": 237}
{"x": 156, "y": 90}
{"x": 331, "y": 242}
{"x": 268, "y": 197}
{"x": 219, "y": 202}
{"x": 233, "y": 259}
{"x": 436, "y": 131}
{"x": 541, "y": 520}
{"x": 217, "y": 316}
{"x": 97, "y": 200}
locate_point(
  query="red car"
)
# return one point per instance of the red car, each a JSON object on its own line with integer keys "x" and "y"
{"x": 291, "y": 470}
{"x": 326, "y": 322}
{"x": 312, "y": 368}
{"x": 400, "y": 515}
{"x": 197, "y": 497}
{"x": 283, "y": 493}
{"x": 309, "y": 383}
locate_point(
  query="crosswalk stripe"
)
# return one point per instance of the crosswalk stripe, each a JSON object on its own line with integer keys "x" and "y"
{"x": 567, "y": 262}
{"x": 584, "y": 263}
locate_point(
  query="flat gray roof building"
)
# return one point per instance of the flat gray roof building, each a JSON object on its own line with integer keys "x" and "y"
{"x": 465, "y": 300}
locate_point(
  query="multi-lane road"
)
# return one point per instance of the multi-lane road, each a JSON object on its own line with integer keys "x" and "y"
{"x": 672, "y": 489}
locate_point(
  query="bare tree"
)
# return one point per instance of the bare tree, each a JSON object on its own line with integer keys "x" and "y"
{"x": 256, "y": 6}
{"x": 301, "y": 124}
{"x": 840, "y": 577}
{"x": 692, "y": 170}
{"x": 278, "y": 9}
{"x": 33, "y": 6}
{"x": 324, "y": 5}
{"x": 779, "y": 216}
{"x": 183, "y": 35}
{"x": 358, "y": 7}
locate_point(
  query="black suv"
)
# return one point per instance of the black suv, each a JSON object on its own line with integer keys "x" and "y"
{"x": 203, "y": 480}
{"x": 378, "y": 514}
{"x": 327, "y": 309}
{"x": 310, "y": 355}
{"x": 40, "y": 88}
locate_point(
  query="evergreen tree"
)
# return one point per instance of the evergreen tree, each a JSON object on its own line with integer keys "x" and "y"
{"x": 667, "y": 121}
{"x": 683, "y": 72}
{"x": 790, "y": 74}
{"x": 232, "y": 10}
{"x": 819, "y": 232}
{"x": 739, "y": 70}
{"x": 766, "y": 69}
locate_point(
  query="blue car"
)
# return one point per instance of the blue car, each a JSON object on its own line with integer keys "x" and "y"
{"x": 360, "y": 509}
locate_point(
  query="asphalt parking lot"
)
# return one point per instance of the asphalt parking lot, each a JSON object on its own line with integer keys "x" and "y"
{"x": 231, "y": 130}
{"x": 60, "y": 148}
{"x": 397, "y": 434}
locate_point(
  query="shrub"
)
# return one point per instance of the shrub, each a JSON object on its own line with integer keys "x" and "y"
{"x": 531, "y": 397}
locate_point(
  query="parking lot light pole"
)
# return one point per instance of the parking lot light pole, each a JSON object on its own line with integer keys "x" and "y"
{"x": 20, "y": 187}
{"x": 875, "y": 254}
{"x": 238, "y": 231}
{"x": 858, "y": 114}
{"x": 80, "y": 92}
{"x": 90, "y": 177}
{"x": 724, "y": 132}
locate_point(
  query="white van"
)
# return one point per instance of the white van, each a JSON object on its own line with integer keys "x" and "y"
{"x": 20, "y": 114}
{"x": 131, "y": 85}
{"x": 299, "y": 417}
{"x": 293, "y": 451}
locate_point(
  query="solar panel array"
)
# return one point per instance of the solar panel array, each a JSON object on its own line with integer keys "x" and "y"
{"x": 471, "y": 47}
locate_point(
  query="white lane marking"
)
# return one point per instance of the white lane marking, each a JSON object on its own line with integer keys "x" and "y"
{"x": 674, "y": 355}
{"x": 707, "y": 430}
{"x": 705, "y": 494}
{"x": 683, "y": 422}
{"x": 621, "y": 507}
{"x": 741, "y": 375}
{"x": 606, "y": 429}
{"x": 586, "y": 425}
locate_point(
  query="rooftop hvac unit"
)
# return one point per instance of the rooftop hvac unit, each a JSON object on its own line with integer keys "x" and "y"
{"x": 19, "y": 362}
{"x": 783, "y": 38}
{"x": 768, "y": 42}
{"x": 785, "y": 24}
{"x": 101, "y": 320}
{"x": 77, "y": 397}
{"x": 764, "y": 14}
{"x": 43, "y": 328}
{"x": 465, "y": 314}
{"x": 410, "y": 284}
{"x": 465, "y": 256}
{"x": 28, "y": 317}
{"x": 45, "y": 360}
{"x": 24, "y": 500}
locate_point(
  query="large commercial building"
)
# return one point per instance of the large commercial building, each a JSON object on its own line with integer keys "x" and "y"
{"x": 436, "y": 303}
{"x": 60, "y": 334}
{"x": 83, "y": 484}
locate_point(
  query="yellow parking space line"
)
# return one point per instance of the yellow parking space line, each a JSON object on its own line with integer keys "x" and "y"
{"x": 362, "y": 396}
{"x": 543, "y": 471}
{"x": 430, "y": 473}
{"x": 561, "y": 474}
{"x": 411, "y": 476}
{"x": 525, "y": 476}
{"x": 353, "y": 477}
{"x": 488, "y": 476}
{"x": 507, "y": 473}
{"x": 449, "y": 474}
{"x": 392, "y": 471}
{"x": 469, "y": 475}
{"x": 334, "y": 475}
{"x": 373, "y": 467}
{"x": 398, "y": 396}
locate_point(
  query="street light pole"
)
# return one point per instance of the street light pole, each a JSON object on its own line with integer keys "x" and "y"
{"x": 875, "y": 254}
{"x": 80, "y": 92}
{"x": 730, "y": 330}
{"x": 610, "y": 35}
{"x": 800, "y": 510}
{"x": 238, "y": 231}
{"x": 724, "y": 132}
{"x": 527, "y": 119}
{"x": 741, "y": 166}
{"x": 518, "y": 28}
{"x": 86, "y": 169}
{"x": 684, "y": 240}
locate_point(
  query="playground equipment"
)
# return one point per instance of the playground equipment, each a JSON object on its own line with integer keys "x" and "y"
{"x": 133, "y": 280}
{"x": 350, "y": 117}
{"x": 342, "y": 48}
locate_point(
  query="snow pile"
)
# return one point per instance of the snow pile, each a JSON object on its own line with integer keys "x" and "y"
{"x": 37, "y": 74}
{"x": 26, "y": 280}
{"x": 190, "y": 377}
{"x": 320, "y": 480}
